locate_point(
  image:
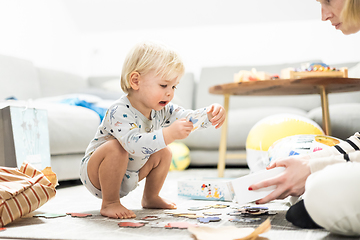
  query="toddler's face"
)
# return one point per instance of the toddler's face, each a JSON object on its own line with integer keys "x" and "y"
{"x": 157, "y": 91}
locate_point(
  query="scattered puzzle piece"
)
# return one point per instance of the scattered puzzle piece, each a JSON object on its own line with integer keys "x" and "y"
{"x": 131, "y": 224}
{"x": 220, "y": 206}
{"x": 180, "y": 225}
{"x": 150, "y": 218}
{"x": 198, "y": 208}
{"x": 2, "y": 229}
{"x": 79, "y": 215}
{"x": 245, "y": 220}
{"x": 212, "y": 213}
{"x": 158, "y": 224}
{"x": 191, "y": 216}
{"x": 50, "y": 215}
{"x": 209, "y": 219}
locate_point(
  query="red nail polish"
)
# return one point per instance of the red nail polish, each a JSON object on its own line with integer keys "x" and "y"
{"x": 257, "y": 202}
{"x": 250, "y": 188}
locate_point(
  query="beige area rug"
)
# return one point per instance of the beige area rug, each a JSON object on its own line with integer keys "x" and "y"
{"x": 75, "y": 198}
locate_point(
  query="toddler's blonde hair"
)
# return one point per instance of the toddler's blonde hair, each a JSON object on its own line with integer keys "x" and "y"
{"x": 350, "y": 14}
{"x": 148, "y": 56}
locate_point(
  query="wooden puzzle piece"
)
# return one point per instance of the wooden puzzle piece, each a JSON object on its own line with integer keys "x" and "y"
{"x": 191, "y": 216}
{"x": 158, "y": 224}
{"x": 180, "y": 225}
{"x": 150, "y": 218}
{"x": 209, "y": 219}
{"x": 212, "y": 213}
{"x": 79, "y": 215}
{"x": 131, "y": 224}
{"x": 198, "y": 208}
{"x": 50, "y": 215}
{"x": 245, "y": 220}
{"x": 217, "y": 206}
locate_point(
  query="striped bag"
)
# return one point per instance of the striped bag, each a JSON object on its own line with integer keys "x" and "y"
{"x": 23, "y": 191}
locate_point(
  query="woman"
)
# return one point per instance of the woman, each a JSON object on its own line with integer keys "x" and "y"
{"x": 329, "y": 179}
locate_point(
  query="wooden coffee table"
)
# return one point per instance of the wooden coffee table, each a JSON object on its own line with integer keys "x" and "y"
{"x": 315, "y": 85}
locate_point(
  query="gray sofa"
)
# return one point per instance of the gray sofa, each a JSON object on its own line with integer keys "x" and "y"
{"x": 72, "y": 127}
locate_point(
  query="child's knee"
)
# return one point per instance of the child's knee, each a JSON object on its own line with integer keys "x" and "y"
{"x": 115, "y": 149}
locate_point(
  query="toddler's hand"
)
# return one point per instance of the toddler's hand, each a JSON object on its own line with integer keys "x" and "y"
{"x": 180, "y": 129}
{"x": 216, "y": 115}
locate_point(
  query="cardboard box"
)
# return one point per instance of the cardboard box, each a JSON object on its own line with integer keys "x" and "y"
{"x": 216, "y": 189}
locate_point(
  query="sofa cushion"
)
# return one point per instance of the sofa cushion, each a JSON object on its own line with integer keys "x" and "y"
{"x": 344, "y": 119}
{"x": 18, "y": 78}
{"x": 54, "y": 83}
{"x": 240, "y": 123}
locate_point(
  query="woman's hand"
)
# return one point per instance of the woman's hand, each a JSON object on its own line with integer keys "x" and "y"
{"x": 291, "y": 182}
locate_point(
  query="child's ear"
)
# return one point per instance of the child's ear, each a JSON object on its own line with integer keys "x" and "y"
{"x": 134, "y": 80}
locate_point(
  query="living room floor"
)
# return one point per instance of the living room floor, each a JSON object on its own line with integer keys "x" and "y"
{"x": 72, "y": 197}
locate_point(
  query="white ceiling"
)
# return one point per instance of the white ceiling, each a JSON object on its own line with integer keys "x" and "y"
{"x": 94, "y": 16}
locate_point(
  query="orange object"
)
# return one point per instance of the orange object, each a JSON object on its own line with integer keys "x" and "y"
{"x": 22, "y": 191}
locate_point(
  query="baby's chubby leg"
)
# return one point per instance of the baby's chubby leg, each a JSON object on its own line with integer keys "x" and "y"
{"x": 106, "y": 169}
{"x": 155, "y": 170}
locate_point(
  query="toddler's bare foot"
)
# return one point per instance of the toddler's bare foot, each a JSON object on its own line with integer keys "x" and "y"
{"x": 116, "y": 210}
{"x": 157, "y": 202}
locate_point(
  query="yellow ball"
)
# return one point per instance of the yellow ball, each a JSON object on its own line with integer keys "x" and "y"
{"x": 180, "y": 156}
{"x": 270, "y": 129}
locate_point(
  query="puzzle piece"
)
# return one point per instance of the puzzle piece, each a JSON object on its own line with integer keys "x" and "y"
{"x": 180, "y": 225}
{"x": 191, "y": 216}
{"x": 150, "y": 218}
{"x": 50, "y": 215}
{"x": 245, "y": 220}
{"x": 198, "y": 208}
{"x": 219, "y": 206}
{"x": 212, "y": 213}
{"x": 209, "y": 219}
{"x": 79, "y": 215}
{"x": 131, "y": 224}
{"x": 2, "y": 229}
{"x": 158, "y": 224}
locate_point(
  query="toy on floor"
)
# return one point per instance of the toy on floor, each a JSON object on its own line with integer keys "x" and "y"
{"x": 209, "y": 219}
{"x": 270, "y": 129}
{"x": 180, "y": 156}
{"x": 244, "y": 220}
{"x": 150, "y": 218}
{"x": 79, "y": 215}
{"x": 50, "y": 215}
{"x": 131, "y": 224}
{"x": 179, "y": 225}
{"x": 300, "y": 144}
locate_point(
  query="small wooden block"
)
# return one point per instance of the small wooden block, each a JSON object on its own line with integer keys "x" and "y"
{"x": 130, "y": 224}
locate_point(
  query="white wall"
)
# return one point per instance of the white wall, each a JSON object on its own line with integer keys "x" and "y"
{"x": 46, "y": 32}
{"x": 250, "y": 44}
{"x": 41, "y": 31}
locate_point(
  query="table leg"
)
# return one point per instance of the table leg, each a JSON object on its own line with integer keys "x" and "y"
{"x": 222, "y": 146}
{"x": 325, "y": 110}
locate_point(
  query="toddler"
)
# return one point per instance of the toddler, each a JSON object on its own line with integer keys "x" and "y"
{"x": 131, "y": 142}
